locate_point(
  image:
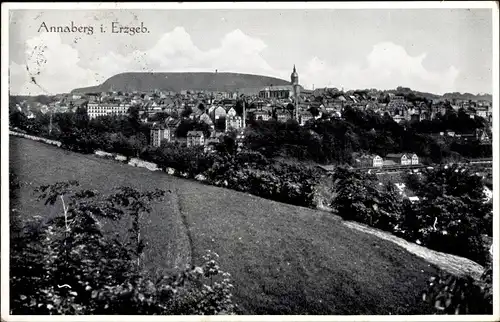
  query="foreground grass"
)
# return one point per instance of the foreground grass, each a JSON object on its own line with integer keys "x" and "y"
{"x": 283, "y": 259}
{"x": 36, "y": 164}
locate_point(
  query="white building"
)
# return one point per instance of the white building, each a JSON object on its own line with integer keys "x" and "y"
{"x": 414, "y": 158}
{"x": 158, "y": 134}
{"x": 377, "y": 161}
{"x": 402, "y": 158}
{"x": 234, "y": 122}
{"x": 101, "y": 109}
{"x": 231, "y": 112}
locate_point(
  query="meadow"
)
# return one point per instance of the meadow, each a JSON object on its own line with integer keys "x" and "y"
{"x": 283, "y": 259}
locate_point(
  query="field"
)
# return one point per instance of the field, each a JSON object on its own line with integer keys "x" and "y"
{"x": 283, "y": 259}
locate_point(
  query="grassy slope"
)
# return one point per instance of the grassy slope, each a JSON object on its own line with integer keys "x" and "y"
{"x": 37, "y": 163}
{"x": 284, "y": 259}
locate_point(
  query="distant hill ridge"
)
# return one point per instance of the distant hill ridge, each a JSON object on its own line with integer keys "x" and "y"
{"x": 145, "y": 81}
{"x": 225, "y": 82}
{"x": 448, "y": 96}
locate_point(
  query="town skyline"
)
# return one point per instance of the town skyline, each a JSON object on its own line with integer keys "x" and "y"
{"x": 376, "y": 51}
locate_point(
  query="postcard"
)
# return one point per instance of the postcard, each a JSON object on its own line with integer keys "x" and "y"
{"x": 250, "y": 161}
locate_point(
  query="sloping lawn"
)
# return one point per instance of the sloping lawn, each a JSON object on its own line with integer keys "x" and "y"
{"x": 283, "y": 259}
{"x": 37, "y": 163}
{"x": 292, "y": 260}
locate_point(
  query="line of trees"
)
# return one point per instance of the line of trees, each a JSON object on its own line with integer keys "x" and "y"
{"x": 333, "y": 141}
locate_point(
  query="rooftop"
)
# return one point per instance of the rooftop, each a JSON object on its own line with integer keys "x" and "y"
{"x": 195, "y": 133}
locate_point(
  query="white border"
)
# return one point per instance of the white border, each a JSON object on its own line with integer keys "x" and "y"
{"x": 496, "y": 163}
{"x": 258, "y": 5}
{"x": 224, "y": 5}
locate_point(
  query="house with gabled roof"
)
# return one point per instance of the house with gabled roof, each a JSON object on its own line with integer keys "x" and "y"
{"x": 231, "y": 112}
{"x": 219, "y": 112}
{"x": 402, "y": 158}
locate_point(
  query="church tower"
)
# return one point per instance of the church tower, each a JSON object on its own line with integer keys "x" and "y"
{"x": 296, "y": 91}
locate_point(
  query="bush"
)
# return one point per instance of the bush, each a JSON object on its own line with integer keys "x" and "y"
{"x": 360, "y": 198}
{"x": 252, "y": 173}
{"x": 69, "y": 266}
{"x": 448, "y": 225}
{"x": 461, "y": 294}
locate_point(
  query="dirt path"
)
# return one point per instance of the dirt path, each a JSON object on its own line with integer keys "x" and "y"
{"x": 187, "y": 254}
{"x": 450, "y": 263}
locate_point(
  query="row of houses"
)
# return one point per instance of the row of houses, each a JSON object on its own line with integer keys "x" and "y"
{"x": 391, "y": 159}
{"x": 480, "y": 135}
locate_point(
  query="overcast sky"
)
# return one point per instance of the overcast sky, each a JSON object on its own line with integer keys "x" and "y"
{"x": 435, "y": 50}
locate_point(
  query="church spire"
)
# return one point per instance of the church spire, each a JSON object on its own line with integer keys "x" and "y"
{"x": 295, "y": 76}
{"x": 296, "y": 90}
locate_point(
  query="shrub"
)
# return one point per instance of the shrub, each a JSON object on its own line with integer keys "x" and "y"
{"x": 359, "y": 198}
{"x": 461, "y": 294}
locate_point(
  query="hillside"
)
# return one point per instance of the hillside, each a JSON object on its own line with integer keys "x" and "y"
{"x": 283, "y": 259}
{"x": 139, "y": 81}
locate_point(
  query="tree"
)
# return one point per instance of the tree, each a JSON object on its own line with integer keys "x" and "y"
{"x": 314, "y": 110}
{"x": 138, "y": 143}
{"x": 187, "y": 125}
{"x": 186, "y": 111}
{"x": 17, "y": 119}
{"x": 453, "y": 214}
{"x": 228, "y": 144}
{"x": 356, "y": 195}
{"x": 81, "y": 118}
{"x": 134, "y": 119}
{"x": 239, "y": 107}
{"x": 360, "y": 198}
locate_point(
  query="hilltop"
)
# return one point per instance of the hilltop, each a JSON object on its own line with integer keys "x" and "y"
{"x": 141, "y": 81}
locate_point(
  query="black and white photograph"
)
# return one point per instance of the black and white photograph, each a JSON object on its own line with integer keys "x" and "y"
{"x": 250, "y": 161}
